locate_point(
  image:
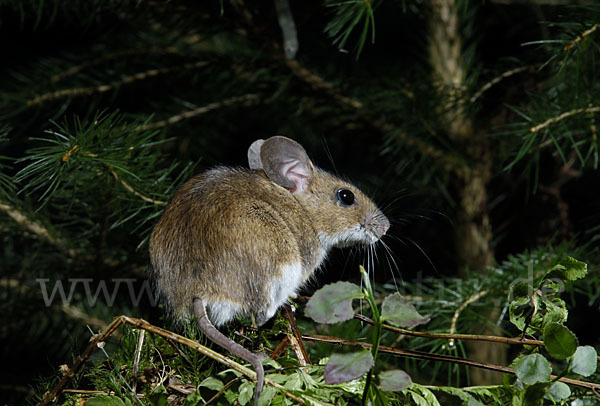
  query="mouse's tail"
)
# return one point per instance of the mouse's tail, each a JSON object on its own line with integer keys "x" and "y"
{"x": 219, "y": 338}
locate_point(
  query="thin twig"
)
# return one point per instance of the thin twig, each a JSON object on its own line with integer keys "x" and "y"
{"x": 71, "y": 311}
{"x": 136, "y": 360}
{"x": 246, "y": 100}
{"x": 472, "y": 337}
{"x": 498, "y": 79}
{"x": 566, "y": 114}
{"x": 97, "y": 340}
{"x": 439, "y": 357}
{"x": 128, "y": 52}
{"x": 85, "y": 91}
{"x": 467, "y": 302}
{"x": 295, "y": 338}
{"x": 447, "y": 159}
{"x": 581, "y": 36}
{"x": 36, "y": 228}
{"x": 85, "y": 318}
{"x": 135, "y": 192}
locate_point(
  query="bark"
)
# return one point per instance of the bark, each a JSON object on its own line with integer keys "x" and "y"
{"x": 473, "y": 230}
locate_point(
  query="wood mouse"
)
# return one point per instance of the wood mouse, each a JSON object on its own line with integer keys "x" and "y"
{"x": 239, "y": 242}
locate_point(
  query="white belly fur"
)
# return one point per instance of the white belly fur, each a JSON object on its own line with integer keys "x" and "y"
{"x": 284, "y": 287}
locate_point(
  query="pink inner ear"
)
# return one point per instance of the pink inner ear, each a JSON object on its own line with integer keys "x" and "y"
{"x": 297, "y": 172}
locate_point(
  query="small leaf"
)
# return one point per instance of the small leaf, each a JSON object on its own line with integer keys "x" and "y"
{"x": 267, "y": 395}
{"x": 194, "y": 399}
{"x": 400, "y": 313}
{"x": 534, "y": 394}
{"x": 555, "y": 311}
{"x": 558, "y": 391}
{"x": 567, "y": 269}
{"x": 394, "y": 380}
{"x": 212, "y": 383}
{"x": 245, "y": 393}
{"x": 333, "y": 303}
{"x": 346, "y": 367}
{"x": 560, "y": 342}
{"x": 158, "y": 397}
{"x": 585, "y": 360}
{"x": 105, "y": 400}
{"x": 532, "y": 369}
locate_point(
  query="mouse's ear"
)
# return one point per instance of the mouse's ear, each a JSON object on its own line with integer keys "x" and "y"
{"x": 284, "y": 161}
{"x": 254, "y": 155}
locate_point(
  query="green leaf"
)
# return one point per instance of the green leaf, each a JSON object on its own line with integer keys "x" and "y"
{"x": 532, "y": 369}
{"x": 333, "y": 303}
{"x": 520, "y": 308}
{"x": 245, "y": 393}
{"x": 267, "y": 395}
{"x": 400, "y": 313}
{"x": 194, "y": 399}
{"x": 567, "y": 269}
{"x": 105, "y": 400}
{"x": 346, "y": 367}
{"x": 394, "y": 380}
{"x": 212, "y": 383}
{"x": 534, "y": 394}
{"x": 554, "y": 311}
{"x": 428, "y": 395}
{"x": 158, "y": 397}
{"x": 560, "y": 342}
{"x": 558, "y": 391}
{"x": 466, "y": 398}
{"x": 585, "y": 361}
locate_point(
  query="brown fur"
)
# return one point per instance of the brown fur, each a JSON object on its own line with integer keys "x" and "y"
{"x": 242, "y": 240}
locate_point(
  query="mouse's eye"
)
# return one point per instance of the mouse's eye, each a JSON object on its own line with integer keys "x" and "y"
{"x": 345, "y": 197}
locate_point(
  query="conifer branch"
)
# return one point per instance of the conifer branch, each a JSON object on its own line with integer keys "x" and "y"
{"x": 115, "y": 55}
{"x": 97, "y": 341}
{"x": 318, "y": 83}
{"x": 36, "y": 228}
{"x": 86, "y": 91}
{"x": 498, "y": 79}
{"x": 73, "y": 312}
{"x": 129, "y": 188}
{"x": 581, "y": 36}
{"x": 469, "y": 300}
{"x": 79, "y": 315}
{"x": 567, "y": 114}
{"x": 447, "y": 159}
{"x": 246, "y": 100}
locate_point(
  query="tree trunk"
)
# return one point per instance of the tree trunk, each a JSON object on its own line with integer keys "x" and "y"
{"x": 473, "y": 230}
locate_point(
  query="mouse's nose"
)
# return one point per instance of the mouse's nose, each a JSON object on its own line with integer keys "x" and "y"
{"x": 384, "y": 229}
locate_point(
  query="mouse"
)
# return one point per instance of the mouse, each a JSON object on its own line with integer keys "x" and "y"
{"x": 236, "y": 241}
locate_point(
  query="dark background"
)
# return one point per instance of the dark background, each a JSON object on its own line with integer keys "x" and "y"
{"x": 393, "y": 80}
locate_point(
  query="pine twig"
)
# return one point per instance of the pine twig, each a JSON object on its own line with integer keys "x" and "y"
{"x": 498, "y": 79}
{"x": 566, "y": 114}
{"x": 36, "y": 228}
{"x": 73, "y": 312}
{"x": 448, "y": 160}
{"x": 98, "y": 340}
{"x": 129, "y": 188}
{"x": 246, "y": 100}
{"x": 106, "y": 58}
{"x": 467, "y": 302}
{"x": 581, "y": 36}
{"x": 86, "y": 91}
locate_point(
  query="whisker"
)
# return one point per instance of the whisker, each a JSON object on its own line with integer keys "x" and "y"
{"x": 424, "y": 254}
